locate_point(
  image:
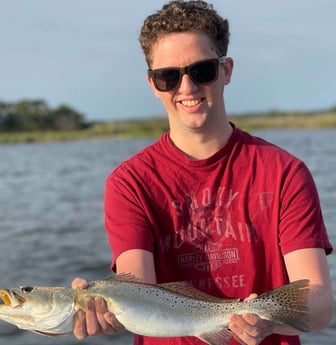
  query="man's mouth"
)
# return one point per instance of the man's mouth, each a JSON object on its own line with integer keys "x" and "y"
{"x": 192, "y": 102}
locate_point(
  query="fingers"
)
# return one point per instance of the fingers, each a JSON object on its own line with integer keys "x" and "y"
{"x": 107, "y": 321}
{"x": 249, "y": 329}
{"x": 79, "y": 325}
{"x": 92, "y": 323}
{"x": 115, "y": 324}
{"x": 96, "y": 320}
{"x": 252, "y": 296}
{"x": 79, "y": 282}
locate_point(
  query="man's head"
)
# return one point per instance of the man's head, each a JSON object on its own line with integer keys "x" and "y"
{"x": 185, "y": 46}
{"x": 185, "y": 16}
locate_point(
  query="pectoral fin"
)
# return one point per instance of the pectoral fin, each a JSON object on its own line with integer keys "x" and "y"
{"x": 51, "y": 334}
{"x": 221, "y": 337}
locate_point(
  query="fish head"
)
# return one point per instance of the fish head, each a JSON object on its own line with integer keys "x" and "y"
{"x": 46, "y": 310}
{"x": 27, "y": 299}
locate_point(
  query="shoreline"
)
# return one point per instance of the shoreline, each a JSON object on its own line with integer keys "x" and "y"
{"x": 155, "y": 126}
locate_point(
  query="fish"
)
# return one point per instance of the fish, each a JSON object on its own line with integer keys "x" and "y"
{"x": 173, "y": 309}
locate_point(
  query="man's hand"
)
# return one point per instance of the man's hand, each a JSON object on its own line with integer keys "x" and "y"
{"x": 97, "y": 319}
{"x": 250, "y": 329}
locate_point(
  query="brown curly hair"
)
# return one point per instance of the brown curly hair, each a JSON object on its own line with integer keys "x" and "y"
{"x": 182, "y": 16}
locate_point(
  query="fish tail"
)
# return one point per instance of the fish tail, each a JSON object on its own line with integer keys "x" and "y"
{"x": 289, "y": 304}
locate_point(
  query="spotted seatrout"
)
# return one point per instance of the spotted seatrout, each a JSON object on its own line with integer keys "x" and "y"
{"x": 162, "y": 310}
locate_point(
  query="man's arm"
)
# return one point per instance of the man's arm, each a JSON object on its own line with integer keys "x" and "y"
{"x": 138, "y": 262}
{"x": 97, "y": 320}
{"x": 310, "y": 263}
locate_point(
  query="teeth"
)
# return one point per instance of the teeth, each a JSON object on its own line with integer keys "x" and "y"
{"x": 191, "y": 103}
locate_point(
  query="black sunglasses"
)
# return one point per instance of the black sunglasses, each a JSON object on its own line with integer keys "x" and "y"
{"x": 202, "y": 72}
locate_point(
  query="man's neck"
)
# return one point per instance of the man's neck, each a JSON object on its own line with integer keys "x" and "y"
{"x": 199, "y": 145}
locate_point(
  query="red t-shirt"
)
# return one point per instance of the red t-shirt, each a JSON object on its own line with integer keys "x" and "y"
{"x": 223, "y": 223}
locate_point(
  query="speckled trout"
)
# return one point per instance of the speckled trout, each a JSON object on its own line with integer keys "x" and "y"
{"x": 162, "y": 310}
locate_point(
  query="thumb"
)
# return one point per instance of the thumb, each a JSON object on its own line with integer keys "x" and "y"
{"x": 252, "y": 296}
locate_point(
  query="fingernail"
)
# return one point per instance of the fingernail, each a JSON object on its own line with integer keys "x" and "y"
{"x": 90, "y": 302}
{"x": 99, "y": 301}
{"x": 81, "y": 315}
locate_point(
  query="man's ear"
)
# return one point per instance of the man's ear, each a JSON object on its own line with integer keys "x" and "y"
{"x": 151, "y": 84}
{"x": 228, "y": 68}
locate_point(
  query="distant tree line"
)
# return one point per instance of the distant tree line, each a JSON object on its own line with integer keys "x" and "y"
{"x": 35, "y": 115}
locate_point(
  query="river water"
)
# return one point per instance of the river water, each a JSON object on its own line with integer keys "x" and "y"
{"x": 51, "y": 214}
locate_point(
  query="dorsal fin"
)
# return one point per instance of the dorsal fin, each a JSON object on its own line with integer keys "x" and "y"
{"x": 121, "y": 277}
{"x": 186, "y": 289}
{"x": 124, "y": 277}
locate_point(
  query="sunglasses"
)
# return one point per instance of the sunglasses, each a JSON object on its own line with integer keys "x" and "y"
{"x": 202, "y": 72}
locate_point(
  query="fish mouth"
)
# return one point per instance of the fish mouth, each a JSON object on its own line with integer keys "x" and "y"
{"x": 5, "y": 297}
{"x": 11, "y": 299}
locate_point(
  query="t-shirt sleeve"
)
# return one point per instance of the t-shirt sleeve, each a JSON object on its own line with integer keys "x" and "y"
{"x": 126, "y": 222}
{"x": 301, "y": 221}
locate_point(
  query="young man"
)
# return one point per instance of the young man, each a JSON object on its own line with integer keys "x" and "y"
{"x": 209, "y": 203}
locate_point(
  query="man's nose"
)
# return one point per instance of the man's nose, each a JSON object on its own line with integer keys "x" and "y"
{"x": 187, "y": 84}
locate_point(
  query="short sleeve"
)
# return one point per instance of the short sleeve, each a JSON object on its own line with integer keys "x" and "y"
{"x": 125, "y": 218}
{"x": 301, "y": 221}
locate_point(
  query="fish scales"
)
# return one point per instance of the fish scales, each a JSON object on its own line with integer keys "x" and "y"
{"x": 161, "y": 310}
{"x": 140, "y": 305}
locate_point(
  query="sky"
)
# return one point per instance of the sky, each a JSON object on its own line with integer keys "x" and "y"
{"x": 86, "y": 54}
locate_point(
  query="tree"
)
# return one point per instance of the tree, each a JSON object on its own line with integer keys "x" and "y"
{"x": 32, "y": 115}
{"x": 65, "y": 118}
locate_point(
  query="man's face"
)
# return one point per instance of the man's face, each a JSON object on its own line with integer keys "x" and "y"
{"x": 190, "y": 106}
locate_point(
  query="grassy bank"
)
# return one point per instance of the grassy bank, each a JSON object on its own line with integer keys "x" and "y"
{"x": 278, "y": 120}
{"x": 157, "y": 125}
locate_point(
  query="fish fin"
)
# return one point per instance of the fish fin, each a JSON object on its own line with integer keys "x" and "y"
{"x": 51, "y": 334}
{"x": 121, "y": 277}
{"x": 291, "y": 301}
{"x": 221, "y": 337}
{"x": 186, "y": 289}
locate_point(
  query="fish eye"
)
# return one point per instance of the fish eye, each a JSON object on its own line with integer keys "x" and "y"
{"x": 26, "y": 289}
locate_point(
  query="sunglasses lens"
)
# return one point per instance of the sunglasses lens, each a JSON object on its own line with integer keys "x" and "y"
{"x": 204, "y": 72}
{"x": 166, "y": 80}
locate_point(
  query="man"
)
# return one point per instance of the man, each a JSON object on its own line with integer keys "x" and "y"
{"x": 209, "y": 203}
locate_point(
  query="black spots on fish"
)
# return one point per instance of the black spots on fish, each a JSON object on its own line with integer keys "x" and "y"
{"x": 135, "y": 289}
{"x": 175, "y": 302}
{"x": 149, "y": 292}
{"x": 269, "y": 303}
{"x": 26, "y": 289}
{"x": 224, "y": 309}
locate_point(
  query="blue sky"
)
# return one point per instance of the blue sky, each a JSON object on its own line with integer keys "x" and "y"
{"x": 86, "y": 54}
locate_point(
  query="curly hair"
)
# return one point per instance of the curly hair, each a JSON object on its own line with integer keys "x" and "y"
{"x": 182, "y": 16}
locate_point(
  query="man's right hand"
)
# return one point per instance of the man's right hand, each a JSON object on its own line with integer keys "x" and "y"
{"x": 97, "y": 320}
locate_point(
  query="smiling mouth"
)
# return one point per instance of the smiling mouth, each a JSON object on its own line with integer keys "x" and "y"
{"x": 192, "y": 102}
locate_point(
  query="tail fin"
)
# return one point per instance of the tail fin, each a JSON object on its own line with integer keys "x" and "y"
{"x": 289, "y": 304}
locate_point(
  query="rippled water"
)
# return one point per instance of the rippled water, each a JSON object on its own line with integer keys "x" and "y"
{"x": 51, "y": 214}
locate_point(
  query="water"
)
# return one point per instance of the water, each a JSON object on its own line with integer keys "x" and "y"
{"x": 51, "y": 213}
